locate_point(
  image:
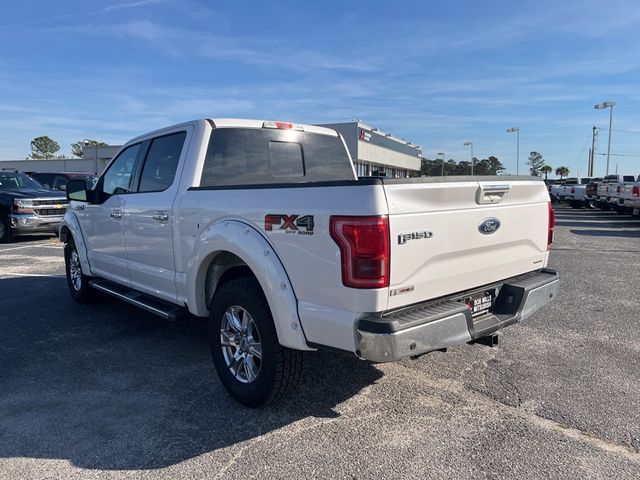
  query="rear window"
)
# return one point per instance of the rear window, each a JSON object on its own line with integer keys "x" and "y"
{"x": 253, "y": 156}
{"x": 628, "y": 178}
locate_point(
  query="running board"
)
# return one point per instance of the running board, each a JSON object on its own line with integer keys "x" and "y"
{"x": 166, "y": 310}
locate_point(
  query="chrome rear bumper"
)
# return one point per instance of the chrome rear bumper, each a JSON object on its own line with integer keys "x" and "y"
{"x": 433, "y": 325}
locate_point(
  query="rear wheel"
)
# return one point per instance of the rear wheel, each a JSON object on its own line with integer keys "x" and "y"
{"x": 6, "y": 235}
{"x": 575, "y": 204}
{"x": 77, "y": 281}
{"x": 252, "y": 365}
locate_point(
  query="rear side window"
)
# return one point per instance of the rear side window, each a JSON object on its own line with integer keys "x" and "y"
{"x": 253, "y": 156}
{"x": 161, "y": 163}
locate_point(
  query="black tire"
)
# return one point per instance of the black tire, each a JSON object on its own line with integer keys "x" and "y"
{"x": 574, "y": 204}
{"x": 280, "y": 368}
{"x": 80, "y": 290}
{"x": 6, "y": 235}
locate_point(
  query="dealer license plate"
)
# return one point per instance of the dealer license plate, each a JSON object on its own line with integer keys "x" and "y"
{"x": 480, "y": 303}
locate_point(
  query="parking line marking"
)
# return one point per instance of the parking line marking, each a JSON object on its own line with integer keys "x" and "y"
{"x": 11, "y": 274}
{"x": 30, "y": 246}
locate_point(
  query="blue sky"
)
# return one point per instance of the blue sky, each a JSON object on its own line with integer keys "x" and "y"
{"x": 437, "y": 74}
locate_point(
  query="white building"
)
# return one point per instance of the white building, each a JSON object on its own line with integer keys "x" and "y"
{"x": 378, "y": 154}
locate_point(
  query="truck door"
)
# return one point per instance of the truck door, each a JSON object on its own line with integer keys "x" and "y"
{"x": 148, "y": 220}
{"x": 102, "y": 223}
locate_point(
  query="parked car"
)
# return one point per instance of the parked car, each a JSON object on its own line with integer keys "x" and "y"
{"x": 554, "y": 189}
{"x": 264, "y": 228}
{"x": 565, "y": 191}
{"x": 581, "y": 194}
{"x": 608, "y": 190}
{"x": 58, "y": 181}
{"x": 629, "y": 198}
{"x": 27, "y": 208}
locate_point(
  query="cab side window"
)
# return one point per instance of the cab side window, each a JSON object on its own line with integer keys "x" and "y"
{"x": 161, "y": 163}
{"x": 118, "y": 178}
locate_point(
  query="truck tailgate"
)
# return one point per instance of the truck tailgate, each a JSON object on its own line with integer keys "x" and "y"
{"x": 454, "y": 234}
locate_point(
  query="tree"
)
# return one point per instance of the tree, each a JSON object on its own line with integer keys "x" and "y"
{"x": 77, "y": 148}
{"x": 488, "y": 166}
{"x": 43, "y": 148}
{"x": 536, "y": 162}
{"x": 547, "y": 169}
{"x": 562, "y": 172}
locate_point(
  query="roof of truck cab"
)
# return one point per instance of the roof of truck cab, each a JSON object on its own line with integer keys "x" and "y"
{"x": 252, "y": 123}
{"x": 234, "y": 123}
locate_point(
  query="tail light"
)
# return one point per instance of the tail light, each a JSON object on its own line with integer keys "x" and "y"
{"x": 635, "y": 191}
{"x": 283, "y": 126}
{"x": 551, "y": 226}
{"x": 364, "y": 250}
{"x": 618, "y": 189}
{"x": 573, "y": 190}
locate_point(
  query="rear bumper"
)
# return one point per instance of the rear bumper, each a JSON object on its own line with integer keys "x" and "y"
{"x": 32, "y": 224}
{"x": 446, "y": 322}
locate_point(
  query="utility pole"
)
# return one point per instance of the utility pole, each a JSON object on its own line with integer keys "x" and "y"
{"x": 609, "y": 105}
{"x": 592, "y": 152}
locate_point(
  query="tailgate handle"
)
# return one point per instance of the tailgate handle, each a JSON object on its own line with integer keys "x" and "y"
{"x": 488, "y": 194}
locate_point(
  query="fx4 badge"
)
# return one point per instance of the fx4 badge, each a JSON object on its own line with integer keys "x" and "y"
{"x": 289, "y": 223}
{"x": 405, "y": 237}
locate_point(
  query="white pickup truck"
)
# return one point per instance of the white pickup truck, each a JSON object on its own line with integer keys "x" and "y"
{"x": 265, "y": 229}
{"x": 629, "y": 198}
{"x": 609, "y": 190}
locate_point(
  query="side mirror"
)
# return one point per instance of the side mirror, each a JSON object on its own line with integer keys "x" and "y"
{"x": 77, "y": 190}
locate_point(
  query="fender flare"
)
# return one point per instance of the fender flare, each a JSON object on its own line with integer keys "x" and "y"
{"x": 248, "y": 244}
{"x": 71, "y": 226}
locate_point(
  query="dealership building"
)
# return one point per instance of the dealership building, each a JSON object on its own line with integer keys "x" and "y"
{"x": 378, "y": 154}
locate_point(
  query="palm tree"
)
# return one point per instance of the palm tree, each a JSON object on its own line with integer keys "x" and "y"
{"x": 562, "y": 172}
{"x": 547, "y": 169}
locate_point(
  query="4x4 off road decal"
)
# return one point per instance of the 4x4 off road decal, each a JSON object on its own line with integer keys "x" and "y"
{"x": 289, "y": 223}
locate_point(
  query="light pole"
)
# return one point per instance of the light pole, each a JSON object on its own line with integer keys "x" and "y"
{"x": 600, "y": 106}
{"x": 442, "y": 153}
{"x": 517, "y": 130}
{"x": 470, "y": 144}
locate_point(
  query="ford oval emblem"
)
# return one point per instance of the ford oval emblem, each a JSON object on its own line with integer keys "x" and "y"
{"x": 489, "y": 225}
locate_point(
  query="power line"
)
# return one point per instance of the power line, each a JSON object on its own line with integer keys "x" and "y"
{"x": 621, "y": 154}
{"x": 636, "y": 132}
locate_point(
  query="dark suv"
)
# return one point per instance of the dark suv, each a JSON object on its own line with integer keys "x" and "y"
{"x": 58, "y": 181}
{"x": 27, "y": 208}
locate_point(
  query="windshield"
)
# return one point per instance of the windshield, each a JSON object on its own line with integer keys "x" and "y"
{"x": 12, "y": 180}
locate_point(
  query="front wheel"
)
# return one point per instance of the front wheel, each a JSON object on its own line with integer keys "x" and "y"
{"x": 77, "y": 282}
{"x": 252, "y": 365}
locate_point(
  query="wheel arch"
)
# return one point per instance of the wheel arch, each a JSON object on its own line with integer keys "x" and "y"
{"x": 70, "y": 230}
{"x": 230, "y": 249}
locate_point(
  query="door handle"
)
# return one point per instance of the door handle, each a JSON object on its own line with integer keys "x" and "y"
{"x": 116, "y": 213}
{"x": 488, "y": 194}
{"x": 161, "y": 216}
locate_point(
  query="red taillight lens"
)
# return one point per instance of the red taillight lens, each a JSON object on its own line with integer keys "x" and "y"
{"x": 635, "y": 191}
{"x": 573, "y": 189}
{"x": 364, "y": 250}
{"x": 552, "y": 225}
{"x": 618, "y": 189}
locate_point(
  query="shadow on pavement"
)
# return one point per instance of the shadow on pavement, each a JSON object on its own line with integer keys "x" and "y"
{"x": 608, "y": 233}
{"x": 107, "y": 386}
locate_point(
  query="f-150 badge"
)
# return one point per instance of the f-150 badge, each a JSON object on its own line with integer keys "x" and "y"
{"x": 405, "y": 237}
{"x": 302, "y": 225}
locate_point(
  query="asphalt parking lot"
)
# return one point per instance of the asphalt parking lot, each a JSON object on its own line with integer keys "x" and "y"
{"x": 107, "y": 390}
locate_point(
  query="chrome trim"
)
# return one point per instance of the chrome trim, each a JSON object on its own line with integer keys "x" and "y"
{"x": 456, "y": 328}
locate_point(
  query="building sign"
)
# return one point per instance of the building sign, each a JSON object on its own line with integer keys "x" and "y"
{"x": 364, "y": 135}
